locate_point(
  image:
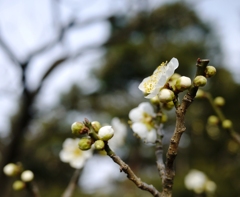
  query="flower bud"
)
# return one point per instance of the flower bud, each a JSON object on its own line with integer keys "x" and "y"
{"x": 164, "y": 118}
{"x": 27, "y": 176}
{"x": 168, "y": 105}
{"x": 227, "y": 124}
{"x": 213, "y": 120}
{"x": 18, "y": 185}
{"x": 155, "y": 100}
{"x": 106, "y": 133}
{"x": 210, "y": 71}
{"x": 96, "y": 125}
{"x": 11, "y": 169}
{"x": 79, "y": 128}
{"x": 200, "y": 94}
{"x": 200, "y": 81}
{"x": 183, "y": 83}
{"x": 166, "y": 95}
{"x": 85, "y": 143}
{"x": 219, "y": 101}
{"x": 99, "y": 144}
{"x": 175, "y": 76}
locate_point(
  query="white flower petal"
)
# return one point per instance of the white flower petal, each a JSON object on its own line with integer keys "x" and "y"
{"x": 140, "y": 129}
{"x": 151, "y": 136}
{"x": 147, "y": 108}
{"x": 171, "y": 66}
{"x": 77, "y": 163}
{"x": 141, "y": 85}
{"x": 65, "y": 156}
{"x": 72, "y": 154}
{"x": 135, "y": 114}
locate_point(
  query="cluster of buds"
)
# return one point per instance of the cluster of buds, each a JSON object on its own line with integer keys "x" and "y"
{"x": 168, "y": 94}
{"x": 214, "y": 120}
{"x": 23, "y": 176}
{"x": 201, "y": 80}
{"x": 92, "y": 133}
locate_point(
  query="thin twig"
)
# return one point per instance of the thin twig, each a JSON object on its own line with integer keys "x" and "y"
{"x": 72, "y": 184}
{"x": 159, "y": 154}
{"x": 130, "y": 174}
{"x": 33, "y": 189}
{"x": 179, "y": 129}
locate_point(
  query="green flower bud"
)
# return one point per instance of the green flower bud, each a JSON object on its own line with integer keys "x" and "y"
{"x": 227, "y": 124}
{"x": 213, "y": 120}
{"x": 219, "y": 101}
{"x": 79, "y": 128}
{"x": 18, "y": 185}
{"x": 27, "y": 176}
{"x": 96, "y": 125}
{"x": 155, "y": 100}
{"x": 183, "y": 83}
{"x": 164, "y": 118}
{"x": 168, "y": 105}
{"x": 200, "y": 94}
{"x": 99, "y": 144}
{"x": 210, "y": 71}
{"x": 200, "y": 81}
{"x": 12, "y": 169}
{"x": 166, "y": 95}
{"x": 106, "y": 133}
{"x": 85, "y": 143}
{"x": 175, "y": 76}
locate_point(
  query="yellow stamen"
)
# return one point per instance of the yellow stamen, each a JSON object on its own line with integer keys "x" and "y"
{"x": 151, "y": 83}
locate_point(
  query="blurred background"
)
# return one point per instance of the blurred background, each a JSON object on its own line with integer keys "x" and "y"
{"x": 62, "y": 61}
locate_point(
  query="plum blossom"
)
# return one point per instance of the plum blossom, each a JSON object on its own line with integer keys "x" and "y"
{"x": 198, "y": 182}
{"x": 73, "y": 155}
{"x": 154, "y": 83}
{"x": 142, "y": 122}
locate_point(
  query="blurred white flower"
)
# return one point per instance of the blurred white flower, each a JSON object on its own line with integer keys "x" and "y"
{"x": 73, "y": 155}
{"x": 198, "y": 182}
{"x": 153, "y": 84}
{"x": 11, "y": 169}
{"x": 120, "y": 132}
{"x": 142, "y": 122}
{"x": 27, "y": 176}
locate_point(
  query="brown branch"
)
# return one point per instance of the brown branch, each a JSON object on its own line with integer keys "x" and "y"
{"x": 179, "y": 129}
{"x": 33, "y": 189}
{"x": 235, "y": 136}
{"x": 72, "y": 184}
{"x": 130, "y": 174}
{"x": 159, "y": 154}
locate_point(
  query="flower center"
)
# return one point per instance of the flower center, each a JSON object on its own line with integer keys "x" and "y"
{"x": 150, "y": 85}
{"x": 147, "y": 120}
{"x": 77, "y": 152}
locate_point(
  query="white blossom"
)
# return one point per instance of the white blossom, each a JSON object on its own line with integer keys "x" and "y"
{"x": 198, "y": 182}
{"x": 142, "y": 122}
{"x": 27, "y": 176}
{"x": 11, "y": 169}
{"x": 153, "y": 84}
{"x": 73, "y": 155}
